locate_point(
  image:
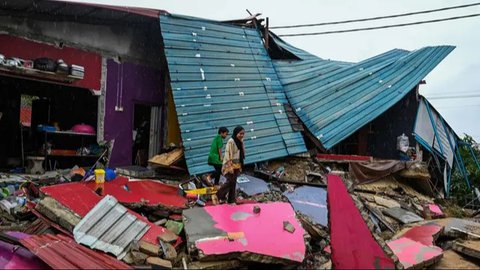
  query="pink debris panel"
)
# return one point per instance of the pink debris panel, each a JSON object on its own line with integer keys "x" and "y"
{"x": 81, "y": 199}
{"x": 435, "y": 210}
{"x": 424, "y": 234}
{"x": 238, "y": 229}
{"x": 352, "y": 243}
{"x": 413, "y": 254}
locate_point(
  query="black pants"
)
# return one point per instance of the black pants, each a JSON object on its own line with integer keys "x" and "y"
{"x": 229, "y": 187}
{"x": 217, "y": 172}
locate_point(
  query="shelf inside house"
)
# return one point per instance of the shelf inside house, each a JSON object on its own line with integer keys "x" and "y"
{"x": 37, "y": 74}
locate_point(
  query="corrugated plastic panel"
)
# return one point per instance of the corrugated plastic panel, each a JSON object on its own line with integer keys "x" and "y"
{"x": 335, "y": 99}
{"x": 428, "y": 121}
{"x": 109, "y": 227}
{"x": 221, "y": 75}
{"x": 61, "y": 252}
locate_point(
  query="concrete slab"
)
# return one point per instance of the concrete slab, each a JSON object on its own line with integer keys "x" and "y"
{"x": 311, "y": 202}
{"x": 455, "y": 226}
{"x": 425, "y": 234}
{"x": 235, "y": 231}
{"x": 413, "y": 254}
{"x": 253, "y": 186}
{"x": 402, "y": 215}
{"x": 352, "y": 243}
{"x": 249, "y": 185}
{"x": 470, "y": 248}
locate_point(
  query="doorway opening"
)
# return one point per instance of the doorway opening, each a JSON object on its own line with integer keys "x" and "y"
{"x": 141, "y": 134}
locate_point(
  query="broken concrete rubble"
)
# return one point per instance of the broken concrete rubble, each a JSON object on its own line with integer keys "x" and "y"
{"x": 148, "y": 248}
{"x": 58, "y": 213}
{"x": 167, "y": 251}
{"x": 158, "y": 263}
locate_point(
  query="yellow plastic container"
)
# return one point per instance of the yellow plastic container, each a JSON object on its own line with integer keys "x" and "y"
{"x": 99, "y": 176}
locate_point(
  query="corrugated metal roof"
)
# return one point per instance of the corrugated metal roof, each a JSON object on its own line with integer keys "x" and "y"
{"x": 61, "y": 252}
{"x": 335, "y": 99}
{"x": 221, "y": 75}
{"x": 109, "y": 227}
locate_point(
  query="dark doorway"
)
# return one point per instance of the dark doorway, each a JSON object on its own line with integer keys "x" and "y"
{"x": 141, "y": 134}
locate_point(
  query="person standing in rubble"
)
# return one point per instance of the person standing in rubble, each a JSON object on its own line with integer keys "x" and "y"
{"x": 232, "y": 164}
{"x": 215, "y": 156}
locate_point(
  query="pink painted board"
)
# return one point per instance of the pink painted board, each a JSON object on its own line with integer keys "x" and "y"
{"x": 435, "y": 210}
{"x": 352, "y": 243}
{"x": 81, "y": 199}
{"x": 261, "y": 233}
{"x": 413, "y": 254}
{"x": 424, "y": 234}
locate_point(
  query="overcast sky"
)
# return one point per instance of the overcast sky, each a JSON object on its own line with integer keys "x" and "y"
{"x": 458, "y": 74}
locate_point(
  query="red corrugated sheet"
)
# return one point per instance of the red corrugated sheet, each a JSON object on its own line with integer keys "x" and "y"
{"x": 149, "y": 192}
{"x": 62, "y": 252}
{"x": 352, "y": 243}
{"x": 81, "y": 199}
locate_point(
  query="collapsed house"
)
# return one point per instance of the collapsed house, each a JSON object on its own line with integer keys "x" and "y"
{"x": 88, "y": 81}
{"x": 180, "y": 78}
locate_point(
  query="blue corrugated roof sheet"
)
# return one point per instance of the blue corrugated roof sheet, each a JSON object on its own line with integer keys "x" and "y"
{"x": 335, "y": 99}
{"x": 221, "y": 75}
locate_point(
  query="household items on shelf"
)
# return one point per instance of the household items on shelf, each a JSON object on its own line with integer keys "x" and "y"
{"x": 42, "y": 64}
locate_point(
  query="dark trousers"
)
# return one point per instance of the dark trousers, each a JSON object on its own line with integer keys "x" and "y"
{"x": 216, "y": 174}
{"x": 229, "y": 187}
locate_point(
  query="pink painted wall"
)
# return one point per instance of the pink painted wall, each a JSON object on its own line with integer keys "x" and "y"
{"x": 263, "y": 233}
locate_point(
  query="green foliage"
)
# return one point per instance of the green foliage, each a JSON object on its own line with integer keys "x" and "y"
{"x": 459, "y": 187}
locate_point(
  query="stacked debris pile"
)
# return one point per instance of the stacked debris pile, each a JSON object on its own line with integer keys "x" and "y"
{"x": 290, "y": 213}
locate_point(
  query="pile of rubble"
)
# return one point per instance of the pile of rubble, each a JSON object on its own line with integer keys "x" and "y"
{"x": 298, "y": 213}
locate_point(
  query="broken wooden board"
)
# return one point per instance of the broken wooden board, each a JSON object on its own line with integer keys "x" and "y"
{"x": 167, "y": 159}
{"x": 402, "y": 215}
{"x": 413, "y": 254}
{"x": 386, "y": 202}
{"x": 226, "y": 231}
{"x": 470, "y": 248}
{"x": 356, "y": 249}
{"x": 311, "y": 202}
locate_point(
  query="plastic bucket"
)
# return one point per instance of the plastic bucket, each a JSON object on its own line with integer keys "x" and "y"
{"x": 99, "y": 176}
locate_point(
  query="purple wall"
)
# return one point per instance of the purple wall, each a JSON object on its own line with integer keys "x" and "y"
{"x": 141, "y": 85}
